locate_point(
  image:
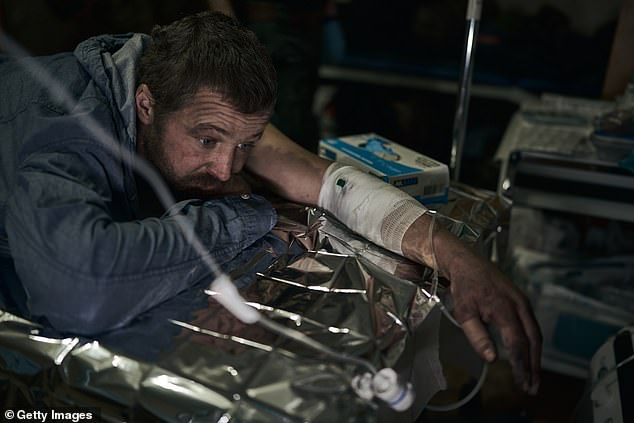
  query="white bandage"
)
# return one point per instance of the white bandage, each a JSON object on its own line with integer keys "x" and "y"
{"x": 368, "y": 206}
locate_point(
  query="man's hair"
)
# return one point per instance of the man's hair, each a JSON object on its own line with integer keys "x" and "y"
{"x": 208, "y": 50}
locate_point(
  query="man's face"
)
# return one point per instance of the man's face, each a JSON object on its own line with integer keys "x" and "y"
{"x": 201, "y": 146}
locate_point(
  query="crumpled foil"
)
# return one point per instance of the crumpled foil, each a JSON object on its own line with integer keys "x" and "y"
{"x": 192, "y": 361}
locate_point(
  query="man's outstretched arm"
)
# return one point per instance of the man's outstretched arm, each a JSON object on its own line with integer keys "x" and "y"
{"x": 288, "y": 169}
{"x": 482, "y": 294}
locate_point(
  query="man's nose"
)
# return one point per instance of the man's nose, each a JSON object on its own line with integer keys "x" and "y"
{"x": 221, "y": 165}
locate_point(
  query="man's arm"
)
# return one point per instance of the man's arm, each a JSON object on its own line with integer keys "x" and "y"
{"x": 288, "y": 169}
{"x": 481, "y": 293}
{"x": 70, "y": 232}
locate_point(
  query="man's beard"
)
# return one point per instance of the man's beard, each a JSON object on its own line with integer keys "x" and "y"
{"x": 199, "y": 185}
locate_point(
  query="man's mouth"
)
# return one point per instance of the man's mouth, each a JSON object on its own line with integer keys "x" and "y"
{"x": 204, "y": 182}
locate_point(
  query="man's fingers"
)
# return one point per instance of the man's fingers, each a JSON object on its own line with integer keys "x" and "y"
{"x": 518, "y": 345}
{"x": 524, "y": 358}
{"x": 535, "y": 338}
{"x": 479, "y": 337}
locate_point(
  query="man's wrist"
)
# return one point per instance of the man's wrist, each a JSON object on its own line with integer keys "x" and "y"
{"x": 428, "y": 242}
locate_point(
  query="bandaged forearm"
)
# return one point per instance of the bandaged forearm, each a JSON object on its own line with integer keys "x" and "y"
{"x": 368, "y": 206}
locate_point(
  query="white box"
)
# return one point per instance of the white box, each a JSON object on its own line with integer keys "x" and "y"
{"x": 422, "y": 177}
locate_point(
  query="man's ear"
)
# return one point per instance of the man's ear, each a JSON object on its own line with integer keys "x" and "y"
{"x": 144, "y": 104}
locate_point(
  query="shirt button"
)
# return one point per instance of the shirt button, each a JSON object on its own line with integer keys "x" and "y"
{"x": 245, "y": 196}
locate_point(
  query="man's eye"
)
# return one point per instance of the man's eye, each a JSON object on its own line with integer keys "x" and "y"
{"x": 206, "y": 142}
{"x": 246, "y": 146}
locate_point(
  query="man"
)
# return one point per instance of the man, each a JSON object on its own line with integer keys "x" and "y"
{"x": 79, "y": 249}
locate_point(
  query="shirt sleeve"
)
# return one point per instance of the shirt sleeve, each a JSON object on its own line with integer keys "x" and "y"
{"x": 88, "y": 268}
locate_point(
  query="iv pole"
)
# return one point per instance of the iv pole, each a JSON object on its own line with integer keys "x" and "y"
{"x": 474, "y": 10}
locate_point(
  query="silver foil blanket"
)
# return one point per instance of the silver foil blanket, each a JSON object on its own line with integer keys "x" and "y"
{"x": 191, "y": 360}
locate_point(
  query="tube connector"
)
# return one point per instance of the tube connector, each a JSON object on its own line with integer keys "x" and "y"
{"x": 386, "y": 386}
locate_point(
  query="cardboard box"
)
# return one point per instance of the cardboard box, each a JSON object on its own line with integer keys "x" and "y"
{"x": 422, "y": 177}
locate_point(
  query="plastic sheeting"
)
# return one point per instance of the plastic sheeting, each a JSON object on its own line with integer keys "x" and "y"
{"x": 190, "y": 360}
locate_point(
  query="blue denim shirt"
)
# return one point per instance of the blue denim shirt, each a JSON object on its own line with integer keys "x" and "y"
{"x": 73, "y": 244}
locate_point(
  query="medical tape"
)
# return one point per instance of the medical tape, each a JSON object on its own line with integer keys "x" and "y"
{"x": 368, "y": 206}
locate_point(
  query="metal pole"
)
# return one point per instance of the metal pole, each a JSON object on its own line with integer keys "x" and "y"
{"x": 474, "y": 10}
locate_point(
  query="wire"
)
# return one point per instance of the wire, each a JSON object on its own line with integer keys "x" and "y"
{"x": 613, "y": 369}
{"x": 430, "y": 236}
{"x": 147, "y": 172}
{"x": 469, "y": 397}
{"x": 302, "y": 338}
{"x": 588, "y": 392}
{"x": 138, "y": 163}
{"x": 448, "y": 315}
{"x": 57, "y": 90}
{"x": 481, "y": 378}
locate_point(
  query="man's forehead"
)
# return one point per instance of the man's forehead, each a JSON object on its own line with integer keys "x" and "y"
{"x": 206, "y": 97}
{"x": 208, "y": 104}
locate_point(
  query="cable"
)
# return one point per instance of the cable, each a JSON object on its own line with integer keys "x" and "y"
{"x": 302, "y": 338}
{"x": 430, "y": 236}
{"x": 588, "y": 392}
{"x": 384, "y": 383}
{"x": 469, "y": 397}
{"x": 230, "y": 297}
{"x": 138, "y": 163}
{"x": 613, "y": 369}
{"x": 448, "y": 315}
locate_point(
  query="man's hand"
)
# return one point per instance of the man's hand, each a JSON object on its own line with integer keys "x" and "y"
{"x": 482, "y": 295}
